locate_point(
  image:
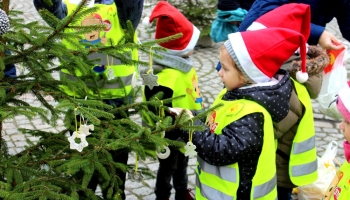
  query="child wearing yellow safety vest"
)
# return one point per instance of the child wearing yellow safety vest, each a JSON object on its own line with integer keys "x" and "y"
{"x": 237, "y": 150}
{"x": 342, "y": 189}
{"x": 296, "y": 157}
{"x": 176, "y": 77}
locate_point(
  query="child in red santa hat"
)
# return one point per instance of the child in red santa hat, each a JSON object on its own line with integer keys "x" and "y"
{"x": 236, "y": 151}
{"x": 176, "y": 76}
{"x": 290, "y": 132}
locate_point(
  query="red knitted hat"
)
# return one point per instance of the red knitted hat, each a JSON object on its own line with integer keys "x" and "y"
{"x": 260, "y": 54}
{"x": 343, "y": 103}
{"x": 291, "y": 16}
{"x": 170, "y": 22}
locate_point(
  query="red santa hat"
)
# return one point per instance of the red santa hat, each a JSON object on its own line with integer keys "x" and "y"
{"x": 260, "y": 54}
{"x": 291, "y": 16}
{"x": 343, "y": 102}
{"x": 170, "y": 22}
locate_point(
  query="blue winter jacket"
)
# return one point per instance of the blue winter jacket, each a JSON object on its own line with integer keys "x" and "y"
{"x": 322, "y": 12}
{"x": 127, "y": 9}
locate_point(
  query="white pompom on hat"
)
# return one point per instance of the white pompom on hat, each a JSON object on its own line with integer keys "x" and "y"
{"x": 260, "y": 54}
{"x": 294, "y": 16}
{"x": 171, "y": 21}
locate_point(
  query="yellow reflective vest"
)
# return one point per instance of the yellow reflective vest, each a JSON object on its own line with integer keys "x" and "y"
{"x": 222, "y": 182}
{"x": 118, "y": 78}
{"x": 303, "y": 156}
{"x": 182, "y": 84}
{"x": 342, "y": 190}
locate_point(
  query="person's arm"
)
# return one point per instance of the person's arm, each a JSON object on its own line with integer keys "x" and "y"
{"x": 326, "y": 40}
{"x": 129, "y": 10}
{"x": 343, "y": 19}
{"x": 59, "y": 8}
{"x": 259, "y": 8}
{"x": 238, "y": 139}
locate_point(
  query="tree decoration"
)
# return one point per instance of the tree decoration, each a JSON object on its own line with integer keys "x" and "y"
{"x": 149, "y": 78}
{"x": 190, "y": 148}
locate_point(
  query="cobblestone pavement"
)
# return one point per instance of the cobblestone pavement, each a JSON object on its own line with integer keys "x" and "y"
{"x": 205, "y": 60}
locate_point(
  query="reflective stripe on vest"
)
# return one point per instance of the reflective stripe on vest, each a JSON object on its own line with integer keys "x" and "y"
{"x": 303, "y": 157}
{"x": 114, "y": 69}
{"x": 222, "y": 182}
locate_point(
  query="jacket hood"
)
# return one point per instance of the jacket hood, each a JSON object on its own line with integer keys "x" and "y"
{"x": 274, "y": 96}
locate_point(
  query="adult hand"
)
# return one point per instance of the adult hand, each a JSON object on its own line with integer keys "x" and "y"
{"x": 329, "y": 42}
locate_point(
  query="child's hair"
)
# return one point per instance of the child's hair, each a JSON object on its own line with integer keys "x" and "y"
{"x": 240, "y": 74}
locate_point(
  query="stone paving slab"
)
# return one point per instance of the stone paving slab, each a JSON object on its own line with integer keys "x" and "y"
{"x": 205, "y": 60}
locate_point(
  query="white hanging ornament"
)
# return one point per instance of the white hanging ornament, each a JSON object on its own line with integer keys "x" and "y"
{"x": 190, "y": 149}
{"x": 110, "y": 75}
{"x": 85, "y": 129}
{"x": 150, "y": 80}
{"x": 78, "y": 146}
{"x": 163, "y": 153}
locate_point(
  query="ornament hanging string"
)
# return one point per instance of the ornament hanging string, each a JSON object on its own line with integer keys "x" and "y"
{"x": 150, "y": 60}
{"x": 190, "y": 135}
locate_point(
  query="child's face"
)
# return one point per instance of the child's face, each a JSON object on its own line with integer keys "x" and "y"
{"x": 345, "y": 128}
{"x": 228, "y": 72}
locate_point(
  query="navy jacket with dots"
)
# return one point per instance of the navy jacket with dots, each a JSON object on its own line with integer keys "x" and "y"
{"x": 241, "y": 141}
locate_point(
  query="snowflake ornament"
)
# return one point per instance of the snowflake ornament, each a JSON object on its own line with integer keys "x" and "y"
{"x": 83, "y": 131}
{"x": 83, "y": 143}
{"x": 150, "y": 80}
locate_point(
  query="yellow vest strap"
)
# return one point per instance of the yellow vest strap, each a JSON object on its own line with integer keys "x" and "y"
{"x": 221, "y": 171}
{"x": 264, "y": 189}
{"x": 211, "y": 193}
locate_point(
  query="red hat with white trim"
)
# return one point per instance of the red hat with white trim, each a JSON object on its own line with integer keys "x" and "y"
{"x": 343, "y": 102}
{"x": 295, "y": 16}
{"x": 170, "y": 22}
{"x": 260, "y": 54}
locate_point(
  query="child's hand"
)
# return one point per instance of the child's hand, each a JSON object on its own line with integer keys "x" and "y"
{"x": 177, "y": 111}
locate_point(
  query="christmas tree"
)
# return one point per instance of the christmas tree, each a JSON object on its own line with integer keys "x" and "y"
{"x": 60, "y": 165}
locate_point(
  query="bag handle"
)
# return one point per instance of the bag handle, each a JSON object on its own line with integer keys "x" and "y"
{"x": 331, "y": 151}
